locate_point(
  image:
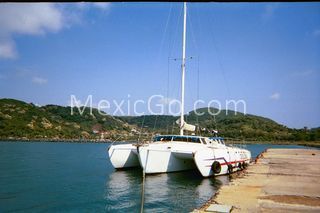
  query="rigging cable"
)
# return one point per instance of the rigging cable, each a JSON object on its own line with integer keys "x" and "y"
{"x": 198, "y": 65}
{"x": 165, "y": 31}
{"x": 160, "y": 51}
{"x": 144, "y": 117}
{"x": 154, "y": 126}
{"x": 142, "y": 190}
{"x": 198, "y": 88}
{"x": 218, "y": 57}
{"x": 192, "y": 33}
{"x": 176, "y": 32}
{"x": 170, "y": 58}
{"x": 167, "y": 95}
{"x": 222, "y": 70}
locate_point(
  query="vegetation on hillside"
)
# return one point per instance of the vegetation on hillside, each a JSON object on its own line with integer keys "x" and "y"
{"x": 231, "y": 124}
{"x": 27, "y": 121}
{"x": 20, "y": 120}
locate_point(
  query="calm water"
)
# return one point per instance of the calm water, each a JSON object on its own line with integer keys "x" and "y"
{"x": 75, "y": 177}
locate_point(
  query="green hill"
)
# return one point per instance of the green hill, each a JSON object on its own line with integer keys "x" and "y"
{"x": 234, "y": 125}
{"x": 20, "y": 120}
{"x": 25, "y": 120}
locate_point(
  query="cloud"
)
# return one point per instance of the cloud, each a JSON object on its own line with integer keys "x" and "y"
{"x": 102, "y": 5}
{"x": 26, "y": 18}
{"x": 39, "y": 80}
{"x": 7, "y": 49}
{"x": 36, "y": 19}
{"x": 97, "y": 5}
{"x": 29, "y": 18}
{"x": 275, "y": 96}
{"x": 303, "y": 73}
{"x": 316, "y": 32}
{"x": 269, "y": 11}
{"x": 26, "y": 75}
{"x": 23, "y": 72}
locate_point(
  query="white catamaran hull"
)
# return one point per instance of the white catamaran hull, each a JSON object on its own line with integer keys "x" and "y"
{"x": 229, "y": 160}
{"x": 123, "y": 156}
{"x": 173, "y": 157}
{"x": 166, "y": 157}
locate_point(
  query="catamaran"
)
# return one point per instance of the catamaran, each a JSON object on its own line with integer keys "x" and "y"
{"x": 172, "y": 153}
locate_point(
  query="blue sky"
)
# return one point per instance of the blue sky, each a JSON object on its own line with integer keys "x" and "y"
{"x": 264, "y": 53}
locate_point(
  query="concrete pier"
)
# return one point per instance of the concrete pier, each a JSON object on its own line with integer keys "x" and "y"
{"x": 281, "y": 180}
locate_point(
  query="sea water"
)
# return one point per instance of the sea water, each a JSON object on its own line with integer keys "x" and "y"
{"x": 78, "y": 177}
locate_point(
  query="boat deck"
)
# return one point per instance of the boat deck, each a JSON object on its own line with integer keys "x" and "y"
{"x": 281, "y": 180}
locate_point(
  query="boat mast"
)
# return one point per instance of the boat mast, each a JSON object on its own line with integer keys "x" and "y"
{"x": 183, "y": 65}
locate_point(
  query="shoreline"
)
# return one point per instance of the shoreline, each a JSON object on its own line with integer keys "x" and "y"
{"x": 315, "y": 144}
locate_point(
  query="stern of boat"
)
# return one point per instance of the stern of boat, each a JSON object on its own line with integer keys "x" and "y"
{"x": 164, "y": 158}
{"x": 123, "y": 156}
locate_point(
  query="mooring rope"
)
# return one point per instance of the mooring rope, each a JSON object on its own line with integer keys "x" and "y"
{"x": 142, "y": 190}
{"x": 144, "y": 117}
{"x": 115, "y": 141}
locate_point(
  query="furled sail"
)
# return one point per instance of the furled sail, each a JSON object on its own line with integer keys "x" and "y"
{"x": 186, "y": 126}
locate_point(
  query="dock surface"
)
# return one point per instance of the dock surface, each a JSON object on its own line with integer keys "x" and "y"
{"x": 281, "y": 180}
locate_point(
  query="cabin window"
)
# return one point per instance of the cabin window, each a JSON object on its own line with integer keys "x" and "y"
{"x": 203, "y": 140}
{"x": 187, "y": 139}
{"x": 166, "y": 138}
{"x": 162, "y": 138}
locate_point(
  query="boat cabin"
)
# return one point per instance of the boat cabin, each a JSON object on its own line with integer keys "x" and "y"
{"x": 187, "y": 138}
{"x": 219, "y": 140}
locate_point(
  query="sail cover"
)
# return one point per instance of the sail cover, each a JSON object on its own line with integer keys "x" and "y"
{"x": 186, "y": 126}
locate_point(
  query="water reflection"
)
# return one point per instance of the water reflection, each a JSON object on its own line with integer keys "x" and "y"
{"x": 122, "y": 191}
{"x": 181, "y": 191}
{"x": 204, "y": 190}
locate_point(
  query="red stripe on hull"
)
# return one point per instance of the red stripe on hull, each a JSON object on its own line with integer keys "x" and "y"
{"x": 228, "y": 163}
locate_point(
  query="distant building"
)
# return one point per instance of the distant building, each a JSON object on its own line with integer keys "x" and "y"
{"x": 97, "y": 128}
{"x": 135, "y": 131}
{"x": 104, "y": 135}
